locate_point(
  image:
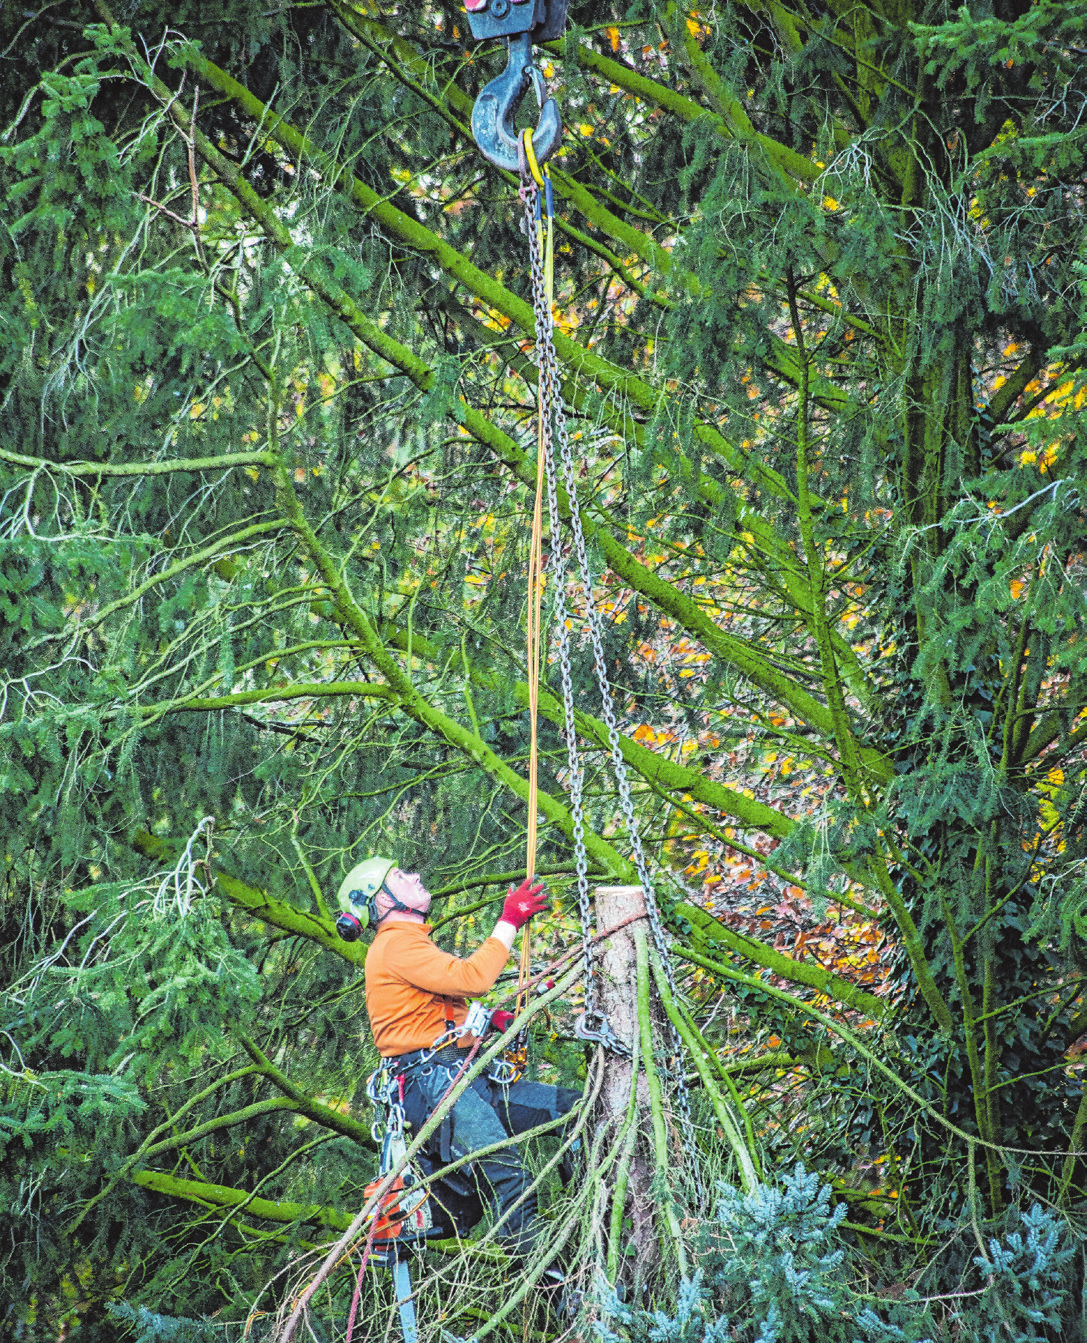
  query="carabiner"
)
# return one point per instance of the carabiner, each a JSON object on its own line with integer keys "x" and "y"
{"x": 601, "y": 1033}
{"x": 497, "y": 104}
{"x": 504, "y": 1073}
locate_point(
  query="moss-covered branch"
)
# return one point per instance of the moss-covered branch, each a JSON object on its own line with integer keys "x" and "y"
{"x": 668, "y": 599}
{"x": 652, "y": 766}
{"x": 796, "y": 972}
{"x": 223, "y": 1196}
{"x": 729, "y": 120}
{"x": 224, "y": 462}
{"x": 304, "y": 1103}
{"x": 279, "y": 695}
{"x": 220, "y": 1196}
{"x": 230, "y": 1120}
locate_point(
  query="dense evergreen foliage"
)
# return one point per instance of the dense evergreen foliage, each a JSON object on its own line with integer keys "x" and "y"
{"x": 265, "y": 462}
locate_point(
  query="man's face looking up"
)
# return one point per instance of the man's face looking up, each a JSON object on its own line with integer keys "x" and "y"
{"x": 408, "y": 887}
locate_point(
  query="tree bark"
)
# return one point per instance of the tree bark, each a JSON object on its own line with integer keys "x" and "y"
{"x": 637, "y": 1249}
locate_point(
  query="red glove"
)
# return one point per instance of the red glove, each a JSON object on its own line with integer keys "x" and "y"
{"x": 501, "y": 1021}
{"x": 523, "y": 902}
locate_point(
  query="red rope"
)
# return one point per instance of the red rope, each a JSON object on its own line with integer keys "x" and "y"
{"x": 358, "y": 1282}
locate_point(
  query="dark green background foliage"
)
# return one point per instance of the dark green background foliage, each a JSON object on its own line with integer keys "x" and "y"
{"x": 266, "y": 450}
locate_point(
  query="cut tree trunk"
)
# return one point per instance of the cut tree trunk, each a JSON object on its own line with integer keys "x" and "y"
{"x": 639, "y": 1249}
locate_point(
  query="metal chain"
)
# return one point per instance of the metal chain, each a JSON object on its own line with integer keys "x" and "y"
{"x": 554, "y": 426}
{"x": 529, "y": 196}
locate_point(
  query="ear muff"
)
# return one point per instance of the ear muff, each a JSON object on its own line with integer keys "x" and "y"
{"x": 349, "y": 927}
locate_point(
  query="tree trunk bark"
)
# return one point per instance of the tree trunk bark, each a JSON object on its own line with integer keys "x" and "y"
{"x": 636, "y": 1249}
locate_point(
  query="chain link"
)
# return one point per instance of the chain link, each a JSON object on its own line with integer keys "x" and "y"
{"x": 553, "y": 418}
{"x": 529, "y": 196}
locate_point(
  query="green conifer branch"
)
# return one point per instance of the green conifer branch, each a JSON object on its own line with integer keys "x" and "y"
{"x": 1076, "y": 1143}
{"x": 848, "y": 750}
{"x": 1048, "y": 730}
{"x": 786, "y": 22}
{"x": 675, "y": 776}
{"x": 735, "y": 1126}
{"x": 148, "y": 1142}
{"x": 659, "y": 1127}
{"x": 278, "y": 913}
{"x": 641, "y": 243}
{"x": 216, "y": 1196}
{"x": 602, "y": 371}
{"x": 407, "y": 65}
{"x": 198, "y": 557}
{"x": 801, "y": 973}
{"x": 656, "y": 589}
{"x": 968, "y": 1010}
{"x": 839, "y": 1028}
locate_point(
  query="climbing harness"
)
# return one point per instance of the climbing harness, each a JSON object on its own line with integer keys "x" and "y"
{"x": 536, "y": 197}
{"x": 385, "y": 1086}
{"x": 522, "y": 23}
{"x": 402, "y": 1215}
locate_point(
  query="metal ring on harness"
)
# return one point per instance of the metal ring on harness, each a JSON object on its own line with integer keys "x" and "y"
{"x": 504, "y": 1072}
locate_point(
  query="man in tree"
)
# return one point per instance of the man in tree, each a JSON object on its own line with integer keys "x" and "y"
{"x": 416, "y": 998}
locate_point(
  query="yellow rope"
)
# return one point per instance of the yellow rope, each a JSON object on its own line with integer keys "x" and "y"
{"x": 530, "y": 156}
{"x": 535, "y": 601}
{"x": 535, "y": 585}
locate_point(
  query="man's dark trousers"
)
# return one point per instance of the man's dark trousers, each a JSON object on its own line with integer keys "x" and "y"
{"x": 486, "y": 1113}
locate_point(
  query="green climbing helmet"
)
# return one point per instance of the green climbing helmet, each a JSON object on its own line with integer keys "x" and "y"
{"x": 357, "y": 896}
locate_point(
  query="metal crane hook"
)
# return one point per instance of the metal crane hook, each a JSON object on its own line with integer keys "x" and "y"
{"x": 497, "y": 104}
{"x": 521, "y": 23}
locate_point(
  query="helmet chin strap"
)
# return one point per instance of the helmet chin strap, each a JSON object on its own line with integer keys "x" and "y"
{"x": 398, "y": 906}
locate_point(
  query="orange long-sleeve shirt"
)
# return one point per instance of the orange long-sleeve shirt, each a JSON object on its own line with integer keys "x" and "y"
{"x": 409, "y": 981}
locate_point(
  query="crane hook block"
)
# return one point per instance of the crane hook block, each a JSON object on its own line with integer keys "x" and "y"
{"x": 522, "y": 23}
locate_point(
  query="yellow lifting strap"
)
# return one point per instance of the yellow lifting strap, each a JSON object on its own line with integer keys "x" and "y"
{"x": 545, "y": 236}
